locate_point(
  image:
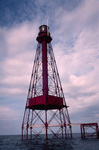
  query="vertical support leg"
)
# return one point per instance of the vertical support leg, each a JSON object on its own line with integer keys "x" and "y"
{"x": 27, "y": 131}
{"x": 61, "y": 122}
{"x": 65, "y": 130}
{"x": 31, "y": 125}
{"x": 97, "y": 131}
{"x": 70, "y": 131}
{"x": 62, "y": 131}
{"x": 22, "y": 132}
{"x": 31, "y": 133}
{"x": 83, "y": 132}
{"x": 46, "y": 125}
{"x": 64, "y": 124}
{"x": 27, "y": 127}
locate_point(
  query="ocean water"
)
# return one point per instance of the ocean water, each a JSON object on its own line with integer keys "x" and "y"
{"x": 13, "y": 142}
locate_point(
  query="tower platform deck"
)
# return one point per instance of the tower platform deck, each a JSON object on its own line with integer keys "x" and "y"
{"x": 46, "y": 102}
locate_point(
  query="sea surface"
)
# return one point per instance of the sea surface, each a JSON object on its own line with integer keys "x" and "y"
{"x": 13, "y": 142}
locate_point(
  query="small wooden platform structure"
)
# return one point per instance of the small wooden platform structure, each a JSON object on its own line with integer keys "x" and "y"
{"x": 89, "y": 130}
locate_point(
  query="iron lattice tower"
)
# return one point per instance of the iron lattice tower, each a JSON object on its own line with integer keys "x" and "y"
{"x": 46, "y": 109}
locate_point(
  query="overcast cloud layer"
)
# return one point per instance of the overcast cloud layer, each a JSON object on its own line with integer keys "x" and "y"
{"x": 74, "y": 26}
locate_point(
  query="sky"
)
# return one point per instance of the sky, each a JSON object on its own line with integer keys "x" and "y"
{"x": 74, "y": 27}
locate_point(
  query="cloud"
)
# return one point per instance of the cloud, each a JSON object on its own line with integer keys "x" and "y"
{"x": 7, "y": 113}
{"x": 78, "y": 59}
{"x": 9, "y": 120}
{"x": 71, "y": 23}
{"x": 17, "y": 57}
{"x": 20, "y": 37}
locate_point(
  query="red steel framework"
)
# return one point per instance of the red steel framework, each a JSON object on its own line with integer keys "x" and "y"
{"x": 86, "y": 132}
{"x": 46, "y": 109}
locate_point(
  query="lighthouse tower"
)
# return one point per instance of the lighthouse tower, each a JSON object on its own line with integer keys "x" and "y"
{"x": 46, "y": 110}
